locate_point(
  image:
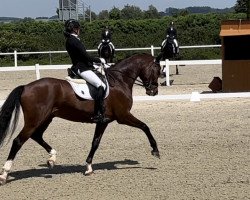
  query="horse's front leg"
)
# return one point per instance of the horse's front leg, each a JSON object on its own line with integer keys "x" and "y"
{"x": 99, "y": 130}
{"x": 130, "y": 120}
{"x": 176, "y": 70}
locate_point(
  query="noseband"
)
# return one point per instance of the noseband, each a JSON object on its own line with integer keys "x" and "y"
{"x": 148, "y": 85}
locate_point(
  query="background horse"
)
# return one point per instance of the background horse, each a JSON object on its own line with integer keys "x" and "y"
{"x": 106, "y": 52}
{"x": 168, "y": 52}
{"x": 44, "y": 99}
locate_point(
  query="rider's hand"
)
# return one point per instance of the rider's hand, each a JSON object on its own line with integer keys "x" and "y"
{"x": 106, "y": 66}
{"x": 103, "y": 61}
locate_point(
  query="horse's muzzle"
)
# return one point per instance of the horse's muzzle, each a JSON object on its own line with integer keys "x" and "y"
{"x": 152, "y": 92}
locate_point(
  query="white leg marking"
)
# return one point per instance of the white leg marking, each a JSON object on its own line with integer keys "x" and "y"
{"x": 6, "y": 169}
{"x": 52, "y": 155}
{"x": 89, "y": 169}
{"x": 7, "y": 166}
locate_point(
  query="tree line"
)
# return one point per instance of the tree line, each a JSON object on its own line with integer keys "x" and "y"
{"x": 193, "y": 29}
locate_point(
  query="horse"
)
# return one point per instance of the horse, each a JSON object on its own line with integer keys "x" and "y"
{"x": 106, "y": 52}
{"x": 168, "y": 51}
{"x": 46, "y": 98}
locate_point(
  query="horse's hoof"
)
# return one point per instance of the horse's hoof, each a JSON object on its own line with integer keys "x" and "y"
{"x": 2, "y": 180}
{"x": 88, "y": 173}
{"x": 50, "y": 164}
{"x": 156, "y": 154}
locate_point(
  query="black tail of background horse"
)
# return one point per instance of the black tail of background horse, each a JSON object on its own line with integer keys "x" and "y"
{"x": 10, "y": 106}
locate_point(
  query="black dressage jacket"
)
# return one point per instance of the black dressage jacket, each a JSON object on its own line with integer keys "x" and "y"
{"x": 79, "y": 56}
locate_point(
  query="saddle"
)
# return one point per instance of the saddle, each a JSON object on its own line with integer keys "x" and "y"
{"x": 83, "y": 88}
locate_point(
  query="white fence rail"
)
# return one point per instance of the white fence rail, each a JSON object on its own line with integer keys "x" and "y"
{"x": 194, "y": 96}
{"x": 35, "y": 68}
{"x": 151, "y": 49}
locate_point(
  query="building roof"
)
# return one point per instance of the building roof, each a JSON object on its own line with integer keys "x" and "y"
{"x": 235, "y": 28}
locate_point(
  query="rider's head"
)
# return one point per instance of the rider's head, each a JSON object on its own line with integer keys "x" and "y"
{"x": 106, "y": 28}
{"x": 72, "y": 26}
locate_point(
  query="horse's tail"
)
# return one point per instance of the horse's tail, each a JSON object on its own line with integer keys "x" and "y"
{"x": 10, "y": 106}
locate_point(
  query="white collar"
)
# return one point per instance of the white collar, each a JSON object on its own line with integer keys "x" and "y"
{"x": 75, "y": 35}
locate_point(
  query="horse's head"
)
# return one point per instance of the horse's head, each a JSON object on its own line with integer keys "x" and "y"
{"x": 149, "y": 77}
{"x": 138, "y": 65}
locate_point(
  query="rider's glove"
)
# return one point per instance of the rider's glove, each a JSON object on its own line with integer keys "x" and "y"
{"x": 103, "y": 61}
{"x": 106, "y": 66}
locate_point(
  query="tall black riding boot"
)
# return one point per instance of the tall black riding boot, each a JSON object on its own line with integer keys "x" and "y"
{"x": 99, "y": 107}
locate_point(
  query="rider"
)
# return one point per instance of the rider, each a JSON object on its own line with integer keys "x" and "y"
{"x": 83, "y": 66}
{"x": 106, "y": 38}
{"x": 171, "y": 33}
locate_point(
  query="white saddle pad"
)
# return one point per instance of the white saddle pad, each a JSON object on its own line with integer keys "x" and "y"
{"x": 81, "y": 89}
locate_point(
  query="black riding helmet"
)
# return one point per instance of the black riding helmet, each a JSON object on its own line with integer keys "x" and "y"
{"x": 70, "y": 25}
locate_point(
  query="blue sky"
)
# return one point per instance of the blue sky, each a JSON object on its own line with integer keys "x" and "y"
{"x": 47, "y": 8}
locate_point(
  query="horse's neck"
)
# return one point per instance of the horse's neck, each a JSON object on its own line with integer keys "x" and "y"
{"x": 127, "y": 73}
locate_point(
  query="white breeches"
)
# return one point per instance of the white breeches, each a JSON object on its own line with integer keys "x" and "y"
{"x": 110, "y": 43}
{"x": 92, "y": 78}
{"x": 174, "y": 40}
{"x": 176, "y": 43}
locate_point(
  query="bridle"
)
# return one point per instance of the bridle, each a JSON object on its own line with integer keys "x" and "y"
{"x": 148, "y": 85}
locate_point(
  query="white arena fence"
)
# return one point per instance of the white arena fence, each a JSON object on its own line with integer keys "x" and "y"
{"x": 167, "y": 63}
{"x": 151, "y": 49}
{"x": 194, "y": 96}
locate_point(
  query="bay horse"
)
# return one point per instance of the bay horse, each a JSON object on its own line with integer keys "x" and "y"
{"x": 46, "y": 98}
{"x": 106, "y": 52}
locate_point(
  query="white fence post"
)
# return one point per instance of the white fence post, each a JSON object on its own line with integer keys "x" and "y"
{"x": 167, "y": 72}
{"x": 15, "y": 58}
{"x": 152, "y": 50}
{"x": 37, "y": 72}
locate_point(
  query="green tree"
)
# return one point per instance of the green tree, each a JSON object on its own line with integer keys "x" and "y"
{"x": 243, "y": 6}
{"x": 115, "y": 14}
{"x": 104, "y": 14}
{"x": 131, "y": 12}
{"x": 151, "y": 13}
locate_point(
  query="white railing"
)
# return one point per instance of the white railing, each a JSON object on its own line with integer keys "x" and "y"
{"x": 194, "y": 96}
{"x": 151, "y": 49}
{"x": 167, "y": 63}
{"x": 35, "y": 68}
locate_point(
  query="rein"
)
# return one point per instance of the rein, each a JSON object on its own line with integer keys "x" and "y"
{"x": 147, "y": 85}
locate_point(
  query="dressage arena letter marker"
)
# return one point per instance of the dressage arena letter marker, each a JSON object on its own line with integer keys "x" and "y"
{"x": 195, "y": 96}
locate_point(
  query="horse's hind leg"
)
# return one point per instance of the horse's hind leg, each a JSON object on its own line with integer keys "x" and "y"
{"x": 18, "y": 142}
{"x": 99, "y": 130}
{"x": 130, "y": 120}
{"x": 38, "y": 137}
{"x": 36, "y": 134}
